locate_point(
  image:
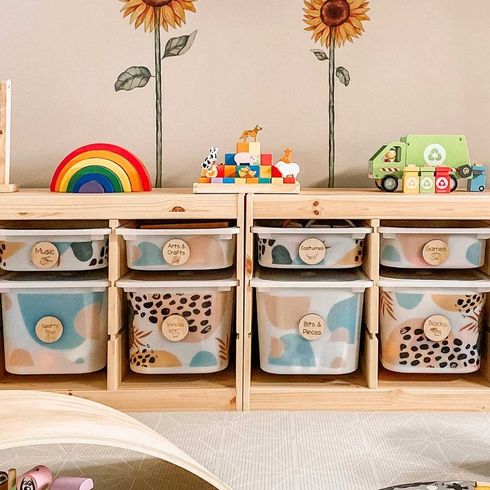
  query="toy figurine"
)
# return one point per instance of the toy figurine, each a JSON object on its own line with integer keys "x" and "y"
{"x": 251, "y": 133}
{"x": 286, "y": 166}
{"x": 209, "y": 167}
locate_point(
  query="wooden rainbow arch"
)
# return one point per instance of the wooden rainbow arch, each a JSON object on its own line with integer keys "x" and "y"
{"x": 100, "y": 168}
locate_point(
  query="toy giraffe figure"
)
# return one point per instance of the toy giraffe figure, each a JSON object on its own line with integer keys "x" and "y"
{"x": 251, "y": 133}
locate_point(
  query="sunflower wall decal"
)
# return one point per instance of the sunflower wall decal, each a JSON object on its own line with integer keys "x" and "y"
{"x": 153, "y": 15}
{"x": 333, "y": 22}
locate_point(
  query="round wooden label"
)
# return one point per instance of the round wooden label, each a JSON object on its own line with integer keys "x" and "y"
{"x": 435, "y": 252}
{"x": 176, "y": 252}
{"x": 437, "y": 327}
{"x": 49, "y": 329}
{"x": 312, "y": 251}
{"x": 312, "y": 327}
{"x": 44, "y": 255}
{"x": 175, "y": 328}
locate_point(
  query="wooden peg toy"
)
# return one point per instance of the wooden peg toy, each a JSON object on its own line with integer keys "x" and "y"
{"x": 39, "y": 477}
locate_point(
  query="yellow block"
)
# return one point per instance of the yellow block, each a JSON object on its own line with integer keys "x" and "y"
{"x": 240, "y": 180}
{"x": 265, "y": 171}
{"x": 254, "y": 148}
{"x": 277, "y": 180}
{"x": 242, "y": 147}
{"x": 252, "y": 181}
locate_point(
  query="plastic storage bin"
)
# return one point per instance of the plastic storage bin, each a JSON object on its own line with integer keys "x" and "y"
{"x": 180, "y": 322}
{"x": 179, "y": 249}
{"x": 432, "y": 323}
{"x": 53, "y": 246}
{"x": 320, "y": 245}
{"x": 437, "y": 247}
{"x": 309, "y": 323}
{"x": 56, "y": 324}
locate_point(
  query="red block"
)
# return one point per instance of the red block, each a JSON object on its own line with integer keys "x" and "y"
{"x": 289, "y": 180}
{"x": 221, "y": 171}
{"x": 275, "y": 172}
{"x": 442, "y": 180}
{"x": 266, "y": 159}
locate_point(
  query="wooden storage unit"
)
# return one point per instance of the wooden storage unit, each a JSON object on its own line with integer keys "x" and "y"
{"x": 372, "y": 387}
{"x": 116, "y": 386}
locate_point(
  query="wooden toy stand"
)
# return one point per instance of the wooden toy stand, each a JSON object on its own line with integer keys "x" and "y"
{"x": 5, "y": 105}
{"x": 244, "y": 385}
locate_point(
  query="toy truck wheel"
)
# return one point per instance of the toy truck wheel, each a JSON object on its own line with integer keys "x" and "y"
{"x": 389, "y": 183}
{"x": 465, "y": 171}
{"x": 481, "y": 188}
{"x": 453, "y": 184}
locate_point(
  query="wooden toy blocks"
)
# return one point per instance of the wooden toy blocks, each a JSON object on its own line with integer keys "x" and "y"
{"x": 266, "y": 159}
{"x": 427, "y": 180}
{"x": 443, "y": 180}
{"x": 411, "y": 179}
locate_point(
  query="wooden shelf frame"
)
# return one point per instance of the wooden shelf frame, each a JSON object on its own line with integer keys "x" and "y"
{"x": 116, "y": 385}
{"x": 371, "y": 387}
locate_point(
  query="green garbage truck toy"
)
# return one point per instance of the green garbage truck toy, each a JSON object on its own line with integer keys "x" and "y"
{"x": 387, "y": 164}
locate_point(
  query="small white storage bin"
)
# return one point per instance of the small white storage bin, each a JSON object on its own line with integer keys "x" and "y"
{"x": 53, "y": 246}
{"x": 309, "y": 322}
{"x": 54, "y": 324}
{"x": 432, "y": 323}
{"x": 460, "y": 246}
{"x": 319, "y": 245}
{"x": 179, "y": 249}
{"x": 180, "y": 322}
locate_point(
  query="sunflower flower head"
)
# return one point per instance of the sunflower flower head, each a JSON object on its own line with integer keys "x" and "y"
{"x": 333, "y": 22}
{"x": 149, "y": 12}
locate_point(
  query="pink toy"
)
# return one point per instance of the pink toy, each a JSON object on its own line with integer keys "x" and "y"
{"x": 72, "y": 483}
{"x": 39, "y": 478}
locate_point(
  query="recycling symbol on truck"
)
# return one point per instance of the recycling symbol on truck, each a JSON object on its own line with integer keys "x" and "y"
{"x": 435, "y": 155}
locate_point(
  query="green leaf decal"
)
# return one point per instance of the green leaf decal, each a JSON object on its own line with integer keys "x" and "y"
{"x": 177, "y": 46}
{"x": 133, "y": 77}
{"x": 320, "y": 54}
{"x": 343, "y": 75}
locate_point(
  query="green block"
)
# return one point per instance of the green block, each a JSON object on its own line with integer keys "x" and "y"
{"x": 265, "y": 181}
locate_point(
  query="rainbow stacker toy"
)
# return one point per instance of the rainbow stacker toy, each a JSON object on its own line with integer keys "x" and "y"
{"x": 248, "y": 170}
{"x": 100, "y": 168}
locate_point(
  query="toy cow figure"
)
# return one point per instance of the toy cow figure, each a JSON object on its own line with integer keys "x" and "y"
{"x": 211, "y": 159}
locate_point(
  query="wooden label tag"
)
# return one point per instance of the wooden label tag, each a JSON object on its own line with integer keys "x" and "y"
{"x": 435, "y": 252}
{"x": 312, "y": 251}
{"x": 49, "y": 329}
{"x": 437, "y": 327}
{"x": 175, "y": 328}
{"x": 312, "y": 327}
{"x": 176, "y": 252}
{"x": 44, "y": 255}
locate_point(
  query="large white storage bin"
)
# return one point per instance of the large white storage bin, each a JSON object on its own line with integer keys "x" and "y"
{"x": 54, "y": 324}
{"x": 180, "y": 322}
{"x": 432, "y": 323}
{"x": 320, "y": 245}
{"x": 54, "y": 247}
{"x": 179, "y": 249}
{"x": 309, "y": 322}
{"x": 436, "y": 247}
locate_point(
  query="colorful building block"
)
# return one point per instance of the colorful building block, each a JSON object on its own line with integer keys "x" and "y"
{"x": 255, "y": 158}
{"x": 275, "y": 172}
{"x": 242, "y": 147}
{"x": 248, "y": 171}
{"x": 277, "y": 180}
{"x": 252, "y": 181}
{"x": 443, "y": 180}
{"x": 229, "y": 180}
{"x": 266, "y": 159}
{"x": 221, "y": 171}
{"x": 217, "y": 180}
{"x": 411, "y": 179}
{"x": 427, "y": 180}
{"x": 239, "y": 180}
{"x": 254, "y": 147}
{"x": 265, "y": 181}
{"x": 204, "y": 180}
{"x": 265, "y": 172}
{"x": 289, "y": 180}
{"x": 230, "y": 171}
{"x": 230, "y": 158}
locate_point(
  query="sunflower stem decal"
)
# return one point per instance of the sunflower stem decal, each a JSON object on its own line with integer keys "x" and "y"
{"x": 333, "y": 22}
{"x": 153, "y": 15}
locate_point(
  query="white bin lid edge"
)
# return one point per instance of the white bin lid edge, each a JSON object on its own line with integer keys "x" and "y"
{"x": 265, "y": 230}
{"x": 135, "y": 232}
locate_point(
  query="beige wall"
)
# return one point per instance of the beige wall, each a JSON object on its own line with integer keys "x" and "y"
{"x": 421, "y": 67}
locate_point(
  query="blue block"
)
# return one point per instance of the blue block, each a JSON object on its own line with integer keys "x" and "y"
{"x": 265, "y": 181}
{"x": 230, "y": 159}
{"x": 228, "y": 180}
